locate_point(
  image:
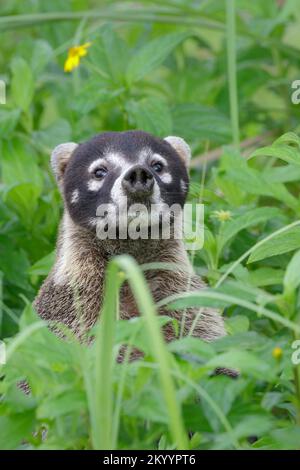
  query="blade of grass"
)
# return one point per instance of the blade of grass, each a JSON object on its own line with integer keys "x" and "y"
{"x": 102, "y": 435}
{"x": 147, "y": 308}
{"x": 231, "y": 70}
{"x": 27, "y": 20}
{"x": 233, "y": 300}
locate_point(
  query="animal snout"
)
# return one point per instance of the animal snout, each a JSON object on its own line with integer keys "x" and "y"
{"x": 138, "y": 181}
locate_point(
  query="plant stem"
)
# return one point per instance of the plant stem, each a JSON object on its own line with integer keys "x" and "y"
{"x": 231, "y": 70}
{"x": 104, "y": 426}
{"x": 102, "y": 419}
{"x": 193, "y": 299}
{"x": 28, "y": 20}
{"x": 147, "y": 308}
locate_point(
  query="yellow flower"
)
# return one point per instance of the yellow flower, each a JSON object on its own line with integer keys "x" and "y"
{"x": 74, "y": 55}
{"x": 277, "y": 353}
{"x": 222, "y": 216}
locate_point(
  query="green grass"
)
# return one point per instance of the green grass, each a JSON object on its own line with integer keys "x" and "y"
{"x": 231, "y": 68}
{"x": 207, "y": 72}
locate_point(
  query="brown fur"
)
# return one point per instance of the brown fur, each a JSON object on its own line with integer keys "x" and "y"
{"x": 76, "y": 300}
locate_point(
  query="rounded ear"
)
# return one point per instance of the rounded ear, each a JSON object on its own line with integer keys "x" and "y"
{"x": 60, "y": 157}
{"x": 181, "y": 147}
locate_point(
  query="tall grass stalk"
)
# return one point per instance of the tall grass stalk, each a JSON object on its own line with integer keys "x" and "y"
{"x": 103, "y": 420}
{"x": 231, "y": 71}
{"x": 103, "y": 395}
{"x": 142, "y": 16}
{"x": 230, "y": 299}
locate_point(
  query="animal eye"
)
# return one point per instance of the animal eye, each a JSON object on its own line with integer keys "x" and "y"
{"x": 157, "y": 167}
{"x": 99, "y": 173}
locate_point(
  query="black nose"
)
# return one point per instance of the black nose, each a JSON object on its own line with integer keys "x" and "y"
{"x": 138, "y": 181}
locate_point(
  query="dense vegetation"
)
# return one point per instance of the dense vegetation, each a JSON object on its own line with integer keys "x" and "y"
{"x": 168, "y": 70}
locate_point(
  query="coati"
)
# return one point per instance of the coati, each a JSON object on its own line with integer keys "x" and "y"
{"x": 111, "y": 168}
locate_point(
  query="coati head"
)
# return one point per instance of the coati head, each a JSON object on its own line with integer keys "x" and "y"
{"x": 120, "y": 169}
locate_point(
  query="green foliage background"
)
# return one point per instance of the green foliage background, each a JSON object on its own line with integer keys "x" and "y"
{"x": 162, "y": 68}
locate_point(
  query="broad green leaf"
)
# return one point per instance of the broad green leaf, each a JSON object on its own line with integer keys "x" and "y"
{"x": 249, "y": 340}
{"x": 151, "y": 55}
{"x": 133, "y": 332}
{"x": 23, "y": 198}
{"x": 192, "y": 347}
{"x": 245, "y": 362}
{"x": 224, "y": 392}
{"x": 251, "y": 425}
{"x": 287, "y": 438}
{"x": 8, "y": 120}
{"x": 42, "y": 266}
{"x": 94, "y": 93}
{"x": 41, "y": 55}
{"x": 58, "y": 132}
{"x": 234, "y": 195}
{"x": 282, "y": 152}
{"x": 266, "y": 276}
{"x": 250, "y": 218}
{"x": 28, "y": 317}
{"x": 210, "y": 246}
{"x": 147, "y": 405}
{"x": 283, "y": 174}
{"x": 19, "y": 164}
{"x": 289, "y": 138}
{"x": 282, "y": 243}
{"x": 271, "y": 399}
{"x": 243, "y": 290}
{"x": 151, "y": 115}
{"x": 292, "y": 274}
{"x": 195, "y": 419}
{"x": 71, "y": 401}
{"x": 14, "y": 263}
{"x": 22, "y": 84}
{"x": 108, "y": 56}
{"x": 117, "y": 53}
{"x": 237, "y": 324}
{"x": 14, "y": 429}
{"x": 257, "y": 183}
{"x": 200, "y": 123}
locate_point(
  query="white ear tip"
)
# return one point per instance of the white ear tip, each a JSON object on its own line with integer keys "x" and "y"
{"x": 60, "y": 154}
{"x": 180, "y": 146}
{"x": 62, "y": 150}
